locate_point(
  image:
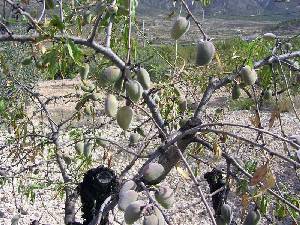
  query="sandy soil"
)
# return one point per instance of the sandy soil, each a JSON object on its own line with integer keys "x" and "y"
{"x": 48, "y": 207}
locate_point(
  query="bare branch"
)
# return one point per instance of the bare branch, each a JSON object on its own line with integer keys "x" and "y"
{"x": 95, "y": 27}
{"x": 276, "y": 59}
{"x": 2, "y": 25}
{"x": 152, "y": 200}
{"x": 43, "y": 11}
{"x": 215, "y": 84}
{"x": 129, "y": 31}
{"x": 98, "y": 218}
{"x": 23, "y": 12}
{"x": 241, "y": 169}
{"x": 296, "y": 164}
{"x": 197, "y": 186}
{"x": 108, "y": 32}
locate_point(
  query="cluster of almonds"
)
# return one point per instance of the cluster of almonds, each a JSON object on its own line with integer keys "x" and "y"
{"x": 135, "y": 209}
{"x": 134, "y": 89}
{"x": 225, "y": 218}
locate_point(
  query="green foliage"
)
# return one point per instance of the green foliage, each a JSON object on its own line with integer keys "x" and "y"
{"x": 30, "y": 190}
{"x": 241, "y": 104}
{"x": 61, "y": 60}
{"x": 250, "y": 166}
{"x": 263, "y": 204}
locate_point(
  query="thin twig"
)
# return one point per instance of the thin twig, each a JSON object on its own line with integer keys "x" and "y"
{"x": 211, "y": 215}
{"x": 153, "y": 201}
{"x": 43, "y": 11}
{"x": 195, "y": 20}
{"x": 296, "y": 164}
{"x": 98, "y": 218}
{"x": 129, "y": 32}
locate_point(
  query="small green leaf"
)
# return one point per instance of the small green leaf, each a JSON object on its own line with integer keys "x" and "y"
{"x": 70, "y": 50}
{"x": 56, "y": 22}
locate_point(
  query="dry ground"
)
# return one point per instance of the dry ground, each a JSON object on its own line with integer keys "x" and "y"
{"x": 48, "y": 207}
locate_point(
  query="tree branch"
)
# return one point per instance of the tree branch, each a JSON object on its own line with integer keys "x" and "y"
{"x": 215, "y": 84}
{"x": 241, "y": 169}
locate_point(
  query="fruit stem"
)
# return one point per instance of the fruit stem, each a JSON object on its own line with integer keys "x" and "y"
{"x": 190, "y": 14}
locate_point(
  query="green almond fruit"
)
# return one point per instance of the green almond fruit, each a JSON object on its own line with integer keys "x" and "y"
{"x": 88, "y": 110}
{"x": 205, "y": 53}
{"x": 111, "y": 74}
{"x": 236, "y": 92}
{"x": 124, "y": 117}
{"x": 248, "y": 75}
{"x": 27, "y": 61}
{"x": 150, "y": 220}
{"x": 128, "y": 185}
{"x": 152, "y": 171}
{"x": 84, "y": 71}
{"x": 133, "y": 212}
{"x": 180, "y": 27}
{"x": 165, "y": 196}
{"x": 87, "y": 149}
{"x": 252, "y": 218}
{"x": 79, "y": 147}
{"x": 126, "y": 198}
{"x": 49, "y": 4}
{"x": 134, "y": 138}
{"x": 226, "y": 213}
{"x": 111, "y": 105}
{"x": 143, "y": 78}
{"x": 269, "y": 36}
{"x": 134, "y": 90}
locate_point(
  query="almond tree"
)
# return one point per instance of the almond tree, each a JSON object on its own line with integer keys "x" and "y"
{"x": 99, "y": 40}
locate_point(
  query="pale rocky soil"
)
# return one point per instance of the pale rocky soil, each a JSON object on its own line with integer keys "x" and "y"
{"x": 48, "y": 207}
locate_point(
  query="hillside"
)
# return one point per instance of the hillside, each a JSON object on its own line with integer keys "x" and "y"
{"x": 269, "y": 8}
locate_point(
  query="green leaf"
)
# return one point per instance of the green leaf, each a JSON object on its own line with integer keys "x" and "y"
{"x": 75, "y": 53}
{"x": 263, "y": 205}
{"x": 2, "y": 106}
{"x": 70, "y": 50}
{"x": 56, "y": 22}
{"x": 280, "y": 210}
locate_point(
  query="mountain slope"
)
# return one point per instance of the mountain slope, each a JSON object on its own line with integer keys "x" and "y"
{"x": 289, "y": 9}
